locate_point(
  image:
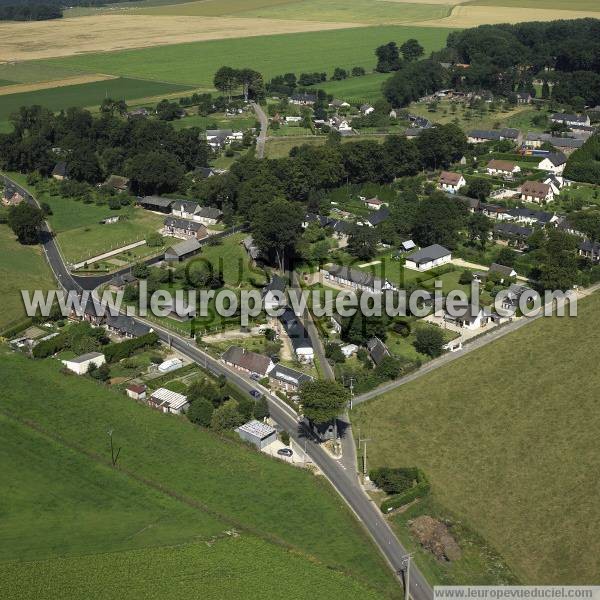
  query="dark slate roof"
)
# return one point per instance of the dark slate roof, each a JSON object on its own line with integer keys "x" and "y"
{"x": 185, "y": 205}
{"x": 85, "y": 357}
{"x": 502, "y": 269}
{"x": 428, "y": 254}
{"x": 156, "y": 201}
{"x": 556, "y": 158}
{"x": 276, "y": 283}
{"x": 511, "y": 229}
{"x": 287, "y": 375}
{"x": 526, "y": 213}
{"x": 60, "y": 169}
{"x": 354, "y": 275}
{"x": 568, "y": 117}
{"x": 209, "y": 212}
{"x": 116, "y": 182}
{"x": 304, "y": 97}
{"x": 589, "y": 246}
{"x": 379, "y": 216}
{"x": 184, "y": 224}
{"x": 377, "y": 350}
{"x": 184, "y": 248}
{"x": 127, "y": 325}
{"x": 123, "y": 279}
{"x": 295, "y": 330}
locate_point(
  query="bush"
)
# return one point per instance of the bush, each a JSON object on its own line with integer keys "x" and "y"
{"x": 419, "y": 487}
{"x": 119, "y": 350}
{"x": 200, "y": 412}
{"x": 285, "y": 438}
{"x": 430, "y": 341}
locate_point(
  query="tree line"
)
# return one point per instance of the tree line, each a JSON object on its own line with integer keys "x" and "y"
{"x": 32, "y": 10}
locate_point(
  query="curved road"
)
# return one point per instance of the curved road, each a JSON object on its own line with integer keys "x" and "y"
{"x": 346, "y": 484}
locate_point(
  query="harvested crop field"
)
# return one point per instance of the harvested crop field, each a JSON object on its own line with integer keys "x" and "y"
{"x": 20, "y": 88}
{"x": 45, "y": 39}
{"x": 466, "y": 15}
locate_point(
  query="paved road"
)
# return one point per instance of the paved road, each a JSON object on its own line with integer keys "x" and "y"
{"x": 345, "y": 483}
{"x": 264, "y": 124}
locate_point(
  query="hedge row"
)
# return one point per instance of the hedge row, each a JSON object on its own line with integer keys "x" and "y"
{"x": 119, "y": 350}
{"x": 52, "y": 346}
{"x": 420, "y": 490}
{"x": 15, "y": 328}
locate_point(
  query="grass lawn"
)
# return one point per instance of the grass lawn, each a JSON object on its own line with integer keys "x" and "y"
{"x": 508, "y": 438}
{"x": 232, "y": 482}
{"x": 86, "y": 94}
{"x": 280, "y": 146}
{"x": 21, "y": 267}
{"x": 549, "y": 4}
{"x": 357, "y": 90}
{"x": 195, "y": 63}
{"x": 239, "y": 122}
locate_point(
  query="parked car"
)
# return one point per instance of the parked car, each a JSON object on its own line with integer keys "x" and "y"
{"x": 255, "y": 394}
{"x": 285, "y": 452}
{"x": 255, "y": 376}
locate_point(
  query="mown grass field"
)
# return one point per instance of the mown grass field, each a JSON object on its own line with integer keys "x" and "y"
{"x": 358, "y": 89}
{"x": 86, "y": 94}
{"x": 79, "y": 232}
{"x": 196, "y": 63}
{"x": 541, "y": 4}
{"x": 21, "y": 267}
{"x": 508, "y": 438}
{"x": 230, "y": 481}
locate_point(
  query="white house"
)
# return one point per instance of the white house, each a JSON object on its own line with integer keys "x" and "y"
{"x": 553, "y": 163}
{"x": 503, "y": 168}
{"x": 366, "y": 109}
{"x": 192, "y": 211}
{"x": 465, "y": 318}
{"x": 374, "y": 203}
{"x": 428, "y": 258}
{"x": 536, "y": 191}
{"x": 137, "y": 392}
{"x": 167, "y": 401}
{"x": 247, "y": 361}
{"x": 81, "y": 364}
{"x": 570, "y": 120}
{"x": 451, "y": 182}
{"x": 349, "y": 349}
{"x": 340, "y": 124}
{"x": 353, "y": 278}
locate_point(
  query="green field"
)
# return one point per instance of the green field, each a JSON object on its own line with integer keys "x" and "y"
{"x": 338, "y": 11}
{"x": 259, "y": 496}
{"x": 235, "y": 568}
{"x": 195, "y": 63}
{"x": 357, "y": 90}
{"x": 508, "y": 438}
{"x": 32, "y": 72}
{"x": 86, "y": 94}
{"x": 20, "y": 267}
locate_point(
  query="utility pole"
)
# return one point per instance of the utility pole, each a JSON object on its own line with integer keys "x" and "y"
{"x": 351, "y": 391}
{"x": 406, "y": 559}
{"x": 364, "y": 442}
{"x": 114, "y": 458}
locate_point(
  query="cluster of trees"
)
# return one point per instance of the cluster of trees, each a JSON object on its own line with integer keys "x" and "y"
{"x": 151, "y": 153}
{"x": 584, "y": 163}
{"x": 80, "y": 338}
{"x": 211, "y": 405}
{"x": 228, "y": 79}
{"x": 29, "y": 12}
{"x": 413, "y": 80}
{"x": 504, "y": 58}
{"x": 390, "y": 57}
{"x": 289, "y": 83}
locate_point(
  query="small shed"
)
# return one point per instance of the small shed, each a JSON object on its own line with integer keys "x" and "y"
{"x": 135, "y": 391}
{"x": 168, "y": 401}
{"x": 182, "y": 250}
{"x": 257, "y": 433}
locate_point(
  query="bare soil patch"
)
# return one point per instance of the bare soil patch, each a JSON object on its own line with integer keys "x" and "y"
{"x": 435, "y": 536}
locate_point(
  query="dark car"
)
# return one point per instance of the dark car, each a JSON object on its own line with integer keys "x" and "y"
{"x": 255, "y": 394}
{"x": 285, "y": 451}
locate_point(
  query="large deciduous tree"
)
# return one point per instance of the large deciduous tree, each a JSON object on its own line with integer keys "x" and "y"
{"x": 25, "y": 220}
{"x": 323, "y": 401}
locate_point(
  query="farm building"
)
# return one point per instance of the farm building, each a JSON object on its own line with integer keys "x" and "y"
{"x": 194, "y": 212}
{"x": 570, "y": 120}
{"x": 167, "y": 401}
{"x": 377, "y": 217}
{"x": 116, "y": 183}
{"x": 374, "y": 203}
{"x": 286, "y": 379}
{"x": 81, "y": 364}
{"x": 479, "y": 136}
{"x": 170, "y": 365}
{"x": 156, "y": 203}
{"x": 359, "y": 280}
{"x": 257, "y": 433}
{"x": 60, "y": 171}
{"x": 428, "y": 258}
{"x": 247, "y": 361}
{"x": 182, "y": 250}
